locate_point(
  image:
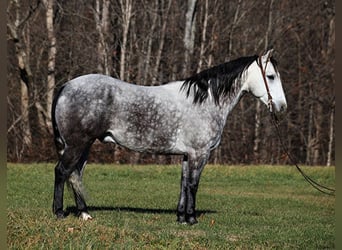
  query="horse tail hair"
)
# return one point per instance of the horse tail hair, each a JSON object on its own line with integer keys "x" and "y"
{"x": 59, "y": 142}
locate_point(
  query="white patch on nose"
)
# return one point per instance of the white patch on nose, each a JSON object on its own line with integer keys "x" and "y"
{"x": 85, "y": 216}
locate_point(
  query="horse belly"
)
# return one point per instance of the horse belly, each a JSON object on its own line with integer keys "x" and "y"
{"x": 146, "y": 129}
{"x": 150, "y": 139}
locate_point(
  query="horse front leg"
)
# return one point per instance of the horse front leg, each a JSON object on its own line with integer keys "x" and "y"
{"x": 191, "y": 173}
{"x": 181, "y": 214}
{"x": 192, "y": 188}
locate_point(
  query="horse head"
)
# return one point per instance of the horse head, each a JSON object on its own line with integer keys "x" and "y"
{"x": 263, "y": 81}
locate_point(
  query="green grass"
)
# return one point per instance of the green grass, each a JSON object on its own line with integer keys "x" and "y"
{"x": 241, "y": 207}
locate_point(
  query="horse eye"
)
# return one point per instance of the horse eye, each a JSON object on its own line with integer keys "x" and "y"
{"x": 271, "y": 77}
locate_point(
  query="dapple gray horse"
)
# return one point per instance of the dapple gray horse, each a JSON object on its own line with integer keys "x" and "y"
{"x": 182, "y": 118}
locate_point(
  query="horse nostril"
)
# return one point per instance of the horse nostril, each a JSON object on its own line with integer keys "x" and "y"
{"x": 283, "y": 108}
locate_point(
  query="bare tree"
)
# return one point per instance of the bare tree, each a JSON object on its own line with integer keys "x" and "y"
{"x": 189, "y": 33}
{"x": 101, "y": 16}
{"x": 165, "y": 16}
{"x": 330, "y": 51}
{"x": 150, "y": 41}
{"x": 331, "y": 135}
{"x": 204, "y": 36}
{"x": 126, "y": 12}
{"x": 51, "y": 60}
{"x": 233, "y": 25}
{"x": 16, "y": 26}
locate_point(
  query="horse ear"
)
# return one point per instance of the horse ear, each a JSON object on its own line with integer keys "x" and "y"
{"x": 267, "y": 55}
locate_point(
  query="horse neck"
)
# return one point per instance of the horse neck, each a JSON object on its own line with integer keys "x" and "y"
{"x": 230, "y": 101}
{"x": 219, "y": 112}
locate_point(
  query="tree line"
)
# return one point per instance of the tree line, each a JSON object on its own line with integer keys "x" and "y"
{"x": 152, "y": 42}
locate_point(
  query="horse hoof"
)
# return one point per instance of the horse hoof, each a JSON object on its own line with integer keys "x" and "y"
{"x": 181, "y": 220}
{"x": 60, "y": 215}
{"x": 187, "y": 221}
{"x": 192, "y": 221}
{"x": 85, "y": 216}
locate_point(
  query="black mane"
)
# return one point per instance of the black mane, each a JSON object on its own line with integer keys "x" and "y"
{"x": 218, "y": 78}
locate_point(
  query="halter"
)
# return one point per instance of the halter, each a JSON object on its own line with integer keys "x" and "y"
{"x": 263, "y": 73}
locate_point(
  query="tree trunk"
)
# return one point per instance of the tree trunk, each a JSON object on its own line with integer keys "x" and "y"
{"x": 331, "y": 135}
{"x": 310, "y": 140}
{"x": 257, "y": 129}
{"x": 318, "y": 135}
{"x": 203, "y": 40}
{"x": 149, "y": 46}
{"x": 27, "y": 136}
{"x": 102, "y": 25}
{"x": 236, "y": 15}
{"x": 25, "y": 74}
{"x": 161, "y": 43}
{"x": 189, "y": 34}
{"x": 126, "y": 11}
{"x": 51, "y": 60}
{"x": 331, "y": 46}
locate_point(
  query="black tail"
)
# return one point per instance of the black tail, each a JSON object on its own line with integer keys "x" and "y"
{"x": 57, "y": 137}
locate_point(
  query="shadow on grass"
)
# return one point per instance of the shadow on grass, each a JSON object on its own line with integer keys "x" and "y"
{"x": 74, "y": 211}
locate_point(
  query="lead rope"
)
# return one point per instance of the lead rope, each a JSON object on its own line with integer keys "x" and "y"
{"x": 315, "y": 184}
{"x": 323, "y": 189}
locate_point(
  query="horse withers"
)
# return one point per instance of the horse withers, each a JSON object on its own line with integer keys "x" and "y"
{"x": 184, "y": 117}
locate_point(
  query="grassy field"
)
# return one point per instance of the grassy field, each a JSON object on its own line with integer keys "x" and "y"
{"x": 240, "y": 207}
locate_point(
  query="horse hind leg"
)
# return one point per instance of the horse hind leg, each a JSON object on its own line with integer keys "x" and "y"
{"x": 71, "y": 161}
{"x": 57, "y": 205}
{"x": 75, "y": 182}
{"x": 181, "y": 208}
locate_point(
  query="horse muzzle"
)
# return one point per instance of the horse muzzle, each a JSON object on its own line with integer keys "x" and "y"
{"x": 278, "y": 109}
